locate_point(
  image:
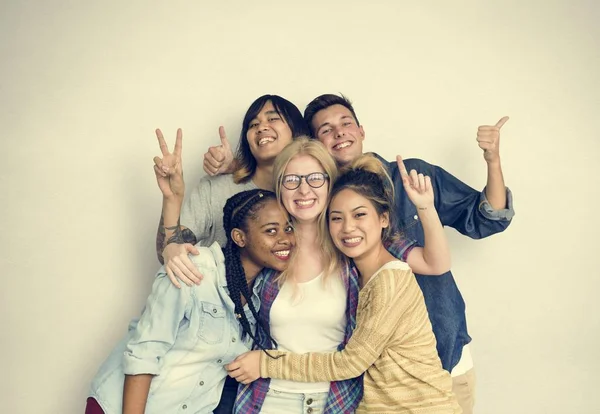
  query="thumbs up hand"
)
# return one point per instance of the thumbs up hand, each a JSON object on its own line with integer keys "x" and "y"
{"x": 488, "y": 138}
{"x": 218, "y": 159}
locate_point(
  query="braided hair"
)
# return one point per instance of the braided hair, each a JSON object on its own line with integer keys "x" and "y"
{"x": 238, "y": 209}
{"x": 368, "y": 177}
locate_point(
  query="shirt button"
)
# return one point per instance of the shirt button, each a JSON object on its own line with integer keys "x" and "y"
{"x": 416, "y": 217}
{"x": 201, "y": 383}
{"x": 215, "y": 311}
{"x": 309, "y": 401}
{"x": 219, "y": 361}
{"x": 232, "y": 339}
{"x": 184, "y": 406}
{"x": 309, "y": 410}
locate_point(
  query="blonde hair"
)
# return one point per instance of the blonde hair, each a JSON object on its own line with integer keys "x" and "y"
{"x": 306, "y": 146}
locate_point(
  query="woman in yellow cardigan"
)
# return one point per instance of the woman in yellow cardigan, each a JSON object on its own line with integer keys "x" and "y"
{"x": 393, "y": 343}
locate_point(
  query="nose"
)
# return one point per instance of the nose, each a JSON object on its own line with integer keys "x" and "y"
{"x": 303, "y": 188}
{"x": 348, "y": 226}
{"x": 286, "y": 239}
{"x": 262, "y": 126}
{"x": 339, "y": 132}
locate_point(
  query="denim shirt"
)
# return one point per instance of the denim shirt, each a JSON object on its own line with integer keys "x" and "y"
{"x": 184, "y": 337}
{"x": 468, "y": 211}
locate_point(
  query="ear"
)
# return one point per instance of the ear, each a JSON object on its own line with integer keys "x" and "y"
{"x": 239, "y": 237}
{"x": 362, "y": 132}
{"x": 385, "y": 220}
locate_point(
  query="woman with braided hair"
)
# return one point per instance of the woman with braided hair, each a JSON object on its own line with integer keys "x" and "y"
{"x": 172, "y": 359}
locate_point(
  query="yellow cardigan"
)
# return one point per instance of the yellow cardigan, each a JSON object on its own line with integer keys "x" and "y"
{"x": 393, "y": 344}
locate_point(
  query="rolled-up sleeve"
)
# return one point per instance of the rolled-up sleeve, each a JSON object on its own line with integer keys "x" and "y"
{"x": 488, "y": 211}
{"x": 157, "y": 328}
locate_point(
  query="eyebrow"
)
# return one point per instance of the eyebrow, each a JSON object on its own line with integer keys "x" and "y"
{"x": 354, "y": 209}
{"x": 266, "y": 113}
{"x": 329, "y": 123}
{"x": 269, "y": 224}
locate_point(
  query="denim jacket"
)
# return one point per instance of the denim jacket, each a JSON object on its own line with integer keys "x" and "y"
{"x": 468, "y": 211}
{"x": 184, "y": 337}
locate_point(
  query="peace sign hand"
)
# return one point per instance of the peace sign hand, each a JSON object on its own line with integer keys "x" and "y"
{"x": 168, "y": 169}
{"x": 418, "y": 187}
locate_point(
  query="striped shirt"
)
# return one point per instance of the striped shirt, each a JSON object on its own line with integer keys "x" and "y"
{"x": 393, "y": 344}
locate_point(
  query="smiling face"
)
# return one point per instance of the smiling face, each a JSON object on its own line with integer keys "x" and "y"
{"x": 354, "y": 224}
{"x": 337, "y": 129}
{"x": 268, "y": 133}
{"x": 268, "y": 239}
{"x": 305, "y": 203}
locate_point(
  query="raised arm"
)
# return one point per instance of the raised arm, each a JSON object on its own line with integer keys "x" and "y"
{"x": 173, "y": 241}
{"x": 488, "y": 138}
{"x": 434, "y": 257}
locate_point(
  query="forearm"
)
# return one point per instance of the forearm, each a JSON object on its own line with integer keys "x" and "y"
{"x": 495, "y": 190}
{"x": 436, "y": 251}
{"x": 135, "y": 393}
{"x": 169, "y": 229}
{"x": 316, "y": 367}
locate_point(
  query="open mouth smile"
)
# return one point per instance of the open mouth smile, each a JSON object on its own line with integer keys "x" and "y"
{"x": 265, "y": 141}
{"x": 305, "y": 203}
{"x": 351, "y": 241}
{"x": 342, "y": 145}
{"x": 282, "y": 254}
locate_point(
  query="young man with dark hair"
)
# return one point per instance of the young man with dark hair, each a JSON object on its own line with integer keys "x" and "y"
{"x": 476, "y": 214}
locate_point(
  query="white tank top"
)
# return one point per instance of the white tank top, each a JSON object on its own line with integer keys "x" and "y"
{"x": 309, "y": 318}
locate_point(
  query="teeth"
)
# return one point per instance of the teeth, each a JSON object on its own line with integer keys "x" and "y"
{"x": 265, "y": 140}
{"x": 305, "y": 203}
{"x": 352, "y": 240}
{"x": 282, "y": 253}
{"x": 342, "y": 145}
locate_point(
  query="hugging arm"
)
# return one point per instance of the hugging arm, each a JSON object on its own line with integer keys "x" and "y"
{"x": 375, "y": 325}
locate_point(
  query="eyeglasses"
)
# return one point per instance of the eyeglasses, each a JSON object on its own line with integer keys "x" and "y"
{"x": 315, "y": 180}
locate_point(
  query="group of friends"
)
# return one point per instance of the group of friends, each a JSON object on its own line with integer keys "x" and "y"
{"x": 303, "y": 276}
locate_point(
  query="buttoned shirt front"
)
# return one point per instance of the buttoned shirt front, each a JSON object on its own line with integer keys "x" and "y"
{"x": 184, "y": 338}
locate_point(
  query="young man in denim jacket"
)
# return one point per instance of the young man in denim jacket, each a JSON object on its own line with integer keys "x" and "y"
{"x": 476, "y": 214}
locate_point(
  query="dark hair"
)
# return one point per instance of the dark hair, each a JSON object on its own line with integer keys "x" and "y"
{"x": 237, "y": 211}
{"x": 291, "y": 114}
{"x": 368, "y": 177}
{"x": 323, "y": 102}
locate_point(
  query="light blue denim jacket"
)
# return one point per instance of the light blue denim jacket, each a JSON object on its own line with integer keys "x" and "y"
{"x": 184, "y": 337}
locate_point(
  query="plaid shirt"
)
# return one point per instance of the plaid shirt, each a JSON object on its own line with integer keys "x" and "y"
{"x": 344, "y": 396}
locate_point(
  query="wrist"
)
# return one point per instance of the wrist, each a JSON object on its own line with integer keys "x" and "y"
{"x": 425, "y": 207}
{"x": 494, "y": 164}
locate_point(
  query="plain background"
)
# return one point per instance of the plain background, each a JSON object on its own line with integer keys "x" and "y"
{"x": 83, "y": 85}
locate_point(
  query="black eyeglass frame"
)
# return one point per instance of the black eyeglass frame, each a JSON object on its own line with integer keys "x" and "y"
{"x": 306, "y": 176}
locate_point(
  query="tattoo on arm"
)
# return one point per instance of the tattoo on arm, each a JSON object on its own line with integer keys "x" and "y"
{"x": 160, "y": 240}
{"x": 179, "y": 235}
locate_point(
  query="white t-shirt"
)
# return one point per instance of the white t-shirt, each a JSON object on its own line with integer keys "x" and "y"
{"x": 308, "y": 317}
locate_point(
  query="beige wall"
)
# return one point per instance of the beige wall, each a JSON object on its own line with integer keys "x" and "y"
{"x": 84, "y": 84}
